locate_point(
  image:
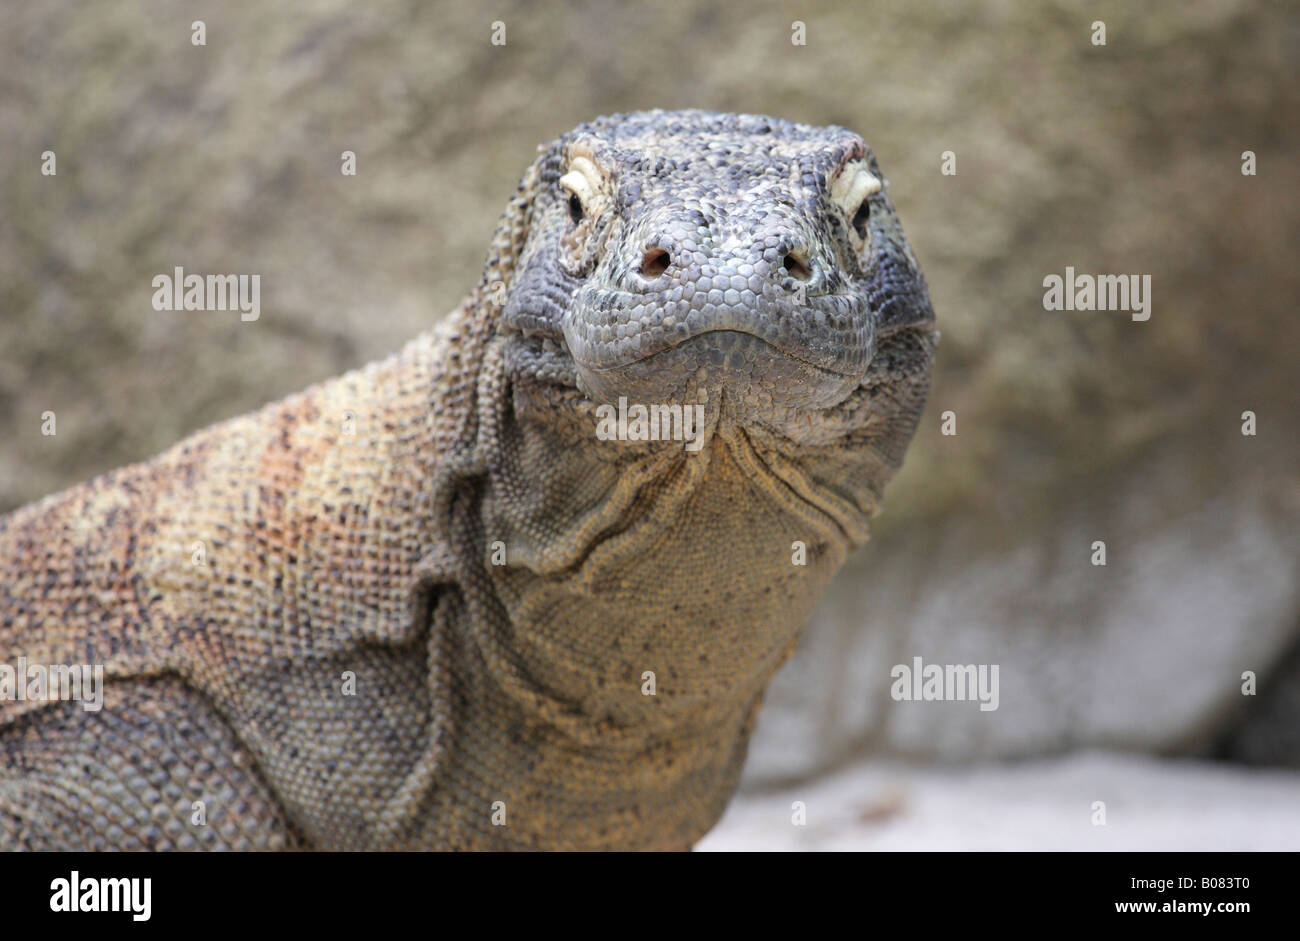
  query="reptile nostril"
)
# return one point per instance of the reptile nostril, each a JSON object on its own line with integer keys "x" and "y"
{"x": 655, "y": 262}
{"x": 796, "y": 265}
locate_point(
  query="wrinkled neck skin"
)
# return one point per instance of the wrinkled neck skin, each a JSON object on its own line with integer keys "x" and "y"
{"x": 648, "y": 594}
{"x": 623, "y": 557}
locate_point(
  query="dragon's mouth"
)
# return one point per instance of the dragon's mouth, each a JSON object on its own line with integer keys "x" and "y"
{"x": 748, "y": 370}
{"x": 727, "y": 348}
{"x": 829, "y": 334}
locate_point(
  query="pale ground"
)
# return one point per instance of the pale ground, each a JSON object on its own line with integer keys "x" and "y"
{"x": 1151, "y": 804}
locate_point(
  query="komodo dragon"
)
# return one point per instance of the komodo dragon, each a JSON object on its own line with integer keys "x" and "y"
{"x": 428, "y": 604}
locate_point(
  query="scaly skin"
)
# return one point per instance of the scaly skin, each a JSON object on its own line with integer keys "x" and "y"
{"x": 448, "y": 527}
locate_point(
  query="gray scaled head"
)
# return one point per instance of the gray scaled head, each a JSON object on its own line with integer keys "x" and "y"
{"x": 742, "y": 260}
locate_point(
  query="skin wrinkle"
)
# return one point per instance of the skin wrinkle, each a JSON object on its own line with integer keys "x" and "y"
{"x": 497, "y": 579}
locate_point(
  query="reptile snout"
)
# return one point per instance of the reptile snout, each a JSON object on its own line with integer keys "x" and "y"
{"x": 738, "y": 296}
{"x": 779, "y": 259}
{"x": 752, "y": 269}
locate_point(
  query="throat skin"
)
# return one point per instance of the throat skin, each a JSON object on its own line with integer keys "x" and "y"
{"x": 647, "y": 597}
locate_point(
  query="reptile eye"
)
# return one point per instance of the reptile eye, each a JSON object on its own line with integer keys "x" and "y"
{"x": 851, "y": 190}
{"x": 862, "y": 217}
{"x": 582, "y": 182}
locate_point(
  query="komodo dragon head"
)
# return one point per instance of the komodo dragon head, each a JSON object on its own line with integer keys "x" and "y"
{"x": 744, "y": 262}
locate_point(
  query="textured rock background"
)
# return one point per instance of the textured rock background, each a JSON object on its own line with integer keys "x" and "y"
{"x": 1072, "y": 426}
